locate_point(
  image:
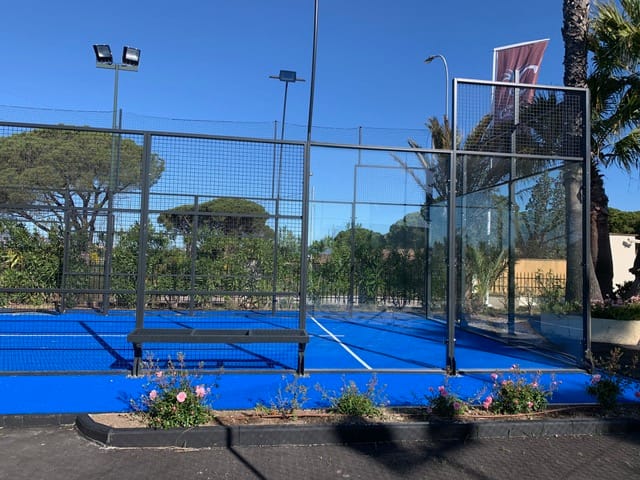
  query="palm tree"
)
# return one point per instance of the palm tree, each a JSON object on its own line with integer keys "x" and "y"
{"x": 575, "y": 30}
{"x": 614, "y": 40}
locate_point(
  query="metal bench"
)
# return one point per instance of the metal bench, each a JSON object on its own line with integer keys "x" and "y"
{"x": 139, "y": 336}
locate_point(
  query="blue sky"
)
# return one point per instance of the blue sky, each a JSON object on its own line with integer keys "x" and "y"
{"x": 210, "y": 60}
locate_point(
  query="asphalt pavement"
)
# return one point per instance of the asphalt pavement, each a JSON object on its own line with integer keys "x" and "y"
{"x": 61, "y": 452}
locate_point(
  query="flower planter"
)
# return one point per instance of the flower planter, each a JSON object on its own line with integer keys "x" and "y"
{"x": 604, "y": 330}
{"x": 434, "y": 432}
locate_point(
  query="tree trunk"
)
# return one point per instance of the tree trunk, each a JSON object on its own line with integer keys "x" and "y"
{"x": 600, "y": 241}
{"x": 575, "y": 27}
{"x": 635, "y": 270}
{"x": 574, "y": 33}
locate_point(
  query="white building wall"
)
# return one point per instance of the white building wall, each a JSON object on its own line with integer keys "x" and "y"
{"x": 623, "y": 251}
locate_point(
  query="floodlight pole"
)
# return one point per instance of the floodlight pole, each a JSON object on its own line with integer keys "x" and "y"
{"x": 286, "y": 76}
{"x": 113, "y": 175}
{"x": 114, "y": 121}
{"x": 116, "y": 67}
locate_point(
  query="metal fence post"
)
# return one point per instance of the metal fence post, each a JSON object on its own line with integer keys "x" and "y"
{"x": 142, "y": 247}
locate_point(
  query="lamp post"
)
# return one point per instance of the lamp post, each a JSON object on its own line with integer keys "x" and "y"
{"x": 130, "y": 62}
{"x": 286, "y": 76}
{"x": 446, "y": 75}
{"x": 429, "y": 194}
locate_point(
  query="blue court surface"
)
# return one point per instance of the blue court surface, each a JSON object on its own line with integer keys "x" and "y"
{"x": 80, "y": 361}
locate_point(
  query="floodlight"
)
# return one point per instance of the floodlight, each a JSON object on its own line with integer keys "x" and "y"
{"x": 131, "y": 56}
{"x": 287, "y": 76}
{"x": 130, "y": 62}
{"x": 103, "y": 53}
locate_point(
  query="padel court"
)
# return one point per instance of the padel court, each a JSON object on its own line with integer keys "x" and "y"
{"x": 86, "y": 341}
{"x": 258, "y": 255}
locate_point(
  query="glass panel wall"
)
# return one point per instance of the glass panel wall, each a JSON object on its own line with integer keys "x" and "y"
{"x": 520, "y": 222}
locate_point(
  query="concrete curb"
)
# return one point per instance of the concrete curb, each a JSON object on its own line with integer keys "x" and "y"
{"x": 342, "y": 434}
{"x": 37, "y": 420}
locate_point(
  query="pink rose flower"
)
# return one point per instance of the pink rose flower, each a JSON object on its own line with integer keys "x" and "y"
{"x": 494, "y": 376}
{"x": 181, "y": 397}
{"x": 153, "y": 395}
{"x": 487, "y": 402}
{"x": 442, "y": 390}
{"x": 595, "y": 379}
{"x": 200, "y": 391}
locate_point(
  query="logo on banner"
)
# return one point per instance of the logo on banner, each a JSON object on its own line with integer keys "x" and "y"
{"x": 516, "y": 64}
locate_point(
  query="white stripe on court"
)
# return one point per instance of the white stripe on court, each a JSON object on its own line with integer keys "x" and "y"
{"x": 339, "y": 342}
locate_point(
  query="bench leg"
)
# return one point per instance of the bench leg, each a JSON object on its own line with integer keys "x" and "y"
{"x": 301, "y": 347}
{"x": 137, "y": 359}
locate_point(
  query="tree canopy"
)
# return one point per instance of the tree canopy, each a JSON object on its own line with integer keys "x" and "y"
{"x": 624, "y": 222}
{"x": 67, "y": 169}
{"x": 613, "y": 41}
{"x": 225, "y": 215}
{"x": 541, "y": 232}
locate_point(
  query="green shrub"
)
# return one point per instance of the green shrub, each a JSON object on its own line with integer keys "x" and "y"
{"x": 614, "y": 375}
{"x": 351, "y": 401}
{"x": 291, "y": 396}
{"x": 172, "y": 398}
{"x": 444, "y": 404}
{"x": 516, "y": 393}
{"x": 623, "y": 311}
{"x": 606, "y": 391}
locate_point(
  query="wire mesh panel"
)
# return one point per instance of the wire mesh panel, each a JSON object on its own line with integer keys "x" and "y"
{"x": 231, "y": 214}
{"x": 63, "y": 194}
{"x": 101, "y": 229}
{"x": 225, "y": 220}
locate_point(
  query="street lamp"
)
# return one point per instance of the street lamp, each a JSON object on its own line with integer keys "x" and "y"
{"x": 130, "y": 62}
{"x": 446, "y": 75}
{"x": 286, "y": 76}
{"x": 429, "y": 195}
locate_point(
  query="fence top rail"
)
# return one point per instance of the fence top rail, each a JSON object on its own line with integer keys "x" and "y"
{"x": 154, "y": 133}
{"x": 381, "y": 148}
{"x": 492, "y": 83}
{"x": 435, "y": 151}
{"x": 480, "y": 153}
{"x": 159, "y": 133}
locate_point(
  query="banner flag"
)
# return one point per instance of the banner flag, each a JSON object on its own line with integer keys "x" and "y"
{"x": 519, "y": 63}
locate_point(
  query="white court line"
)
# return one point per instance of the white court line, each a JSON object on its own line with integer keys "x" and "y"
{"x": 339, "y": 342}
